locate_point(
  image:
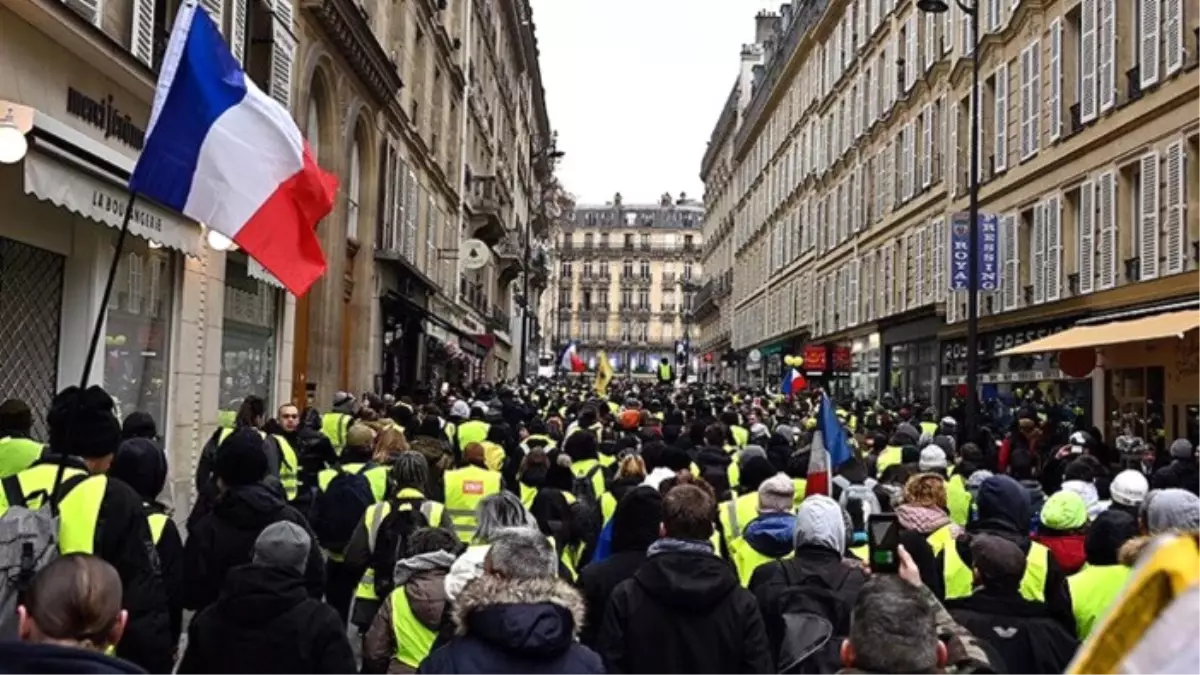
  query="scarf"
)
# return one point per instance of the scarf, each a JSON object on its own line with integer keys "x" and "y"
{"x": 669, "y": 545}
{"x": 923, "y": 519}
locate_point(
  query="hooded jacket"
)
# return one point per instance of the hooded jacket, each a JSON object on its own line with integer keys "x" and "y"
{"x": 142, "y": 464}
{"x": 515, "y": 626}
{"x": 422, "y": 579}
{"x": 224, "y": 539}
{"x": 440, "y": 458}
{"x": 1021, "y": 632}
{"x": 33, "y": 657}
{"x": 265, "y": 622}
{"x": 683, "y": 612}
{"x": 771, "y": 534}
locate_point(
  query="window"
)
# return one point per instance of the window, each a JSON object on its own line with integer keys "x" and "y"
{"x": 687, "y": 270}
{"x": 565, "y": 270}
{"x": 644, "y": 298}
{"x": 248, "y": 335}
{"x": 645, "y": 269}
{"x": 136, "y": 372}
{"x": 1031, "y": 99}
{"x": 626, "y": 298}
{"x": 628, "y": 241}
{"x": 586, "y": 304}
{"x": 588, "y": 240}
{"x": 603, "y": 240}
{"x": 627, "y": 269}
{"x": 564, "y": 298}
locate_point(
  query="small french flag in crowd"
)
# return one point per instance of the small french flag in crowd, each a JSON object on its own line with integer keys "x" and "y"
{"x": 570, "y": 360}
{"x": 830, "y": 450}
{"x": 225, "y": 154}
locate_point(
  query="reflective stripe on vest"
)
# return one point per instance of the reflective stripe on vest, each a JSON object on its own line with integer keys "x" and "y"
{"x": 959, "y": 579}
{"x": 374, "y": 517}
{"x": 746, "y": 560}
{"x": 735, "y": 512}
{"x": 465, "y": 488}
{"x": 79, "y": 508}
{"x": 413, "y": 639}
{"x": 890, "y": 455}
{"x": 1093, "y": 590}
{"x": 376, "y": 476}
{"x": 157, "y": 522}
{"x": 335, "y": 425}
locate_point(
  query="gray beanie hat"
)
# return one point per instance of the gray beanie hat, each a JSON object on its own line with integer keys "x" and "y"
{"x": 1182, "y": 449}
{"x": 1172, "y": 509}
{"x": 776, "y": 494}
{"x": 820, "y": 521}
{"x": 750, "y": 452}
{"x": 283, "y": 544}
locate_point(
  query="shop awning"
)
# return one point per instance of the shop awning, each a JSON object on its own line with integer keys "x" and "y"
{"x": 104, "y": 202}
{"x": 1170, "y": 324}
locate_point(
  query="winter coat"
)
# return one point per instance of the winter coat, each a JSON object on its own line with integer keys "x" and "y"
{"x": 423, "y": 580}
{"x": 1022, "y": 633}
{"x": 683, "y": 612}
{"x": 1180, "y": 473}
{"x": 265, "y": 622}
{"x": 597, "y": 582}
{"x": 224, "y": 539}
{"x": 36, "y": 658}
{"x": 771, "y": 534}
{"x": 1067, "y": 549}
{"x": 440, "y": 457}
{"x": 466, "y": 569}
{"x": 515, "y": 626}
{"x": 713, "y": 463}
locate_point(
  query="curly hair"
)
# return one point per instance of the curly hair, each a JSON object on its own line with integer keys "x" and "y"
{"x": 389, "y": 444}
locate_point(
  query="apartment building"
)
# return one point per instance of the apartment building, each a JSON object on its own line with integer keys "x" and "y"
{"x": 853, "y": 160}
{"x": 626, "y": 282}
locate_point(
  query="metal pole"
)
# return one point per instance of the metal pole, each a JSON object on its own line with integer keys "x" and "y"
{"x": 972, "y": 412}
{"x": 525, "y": 293}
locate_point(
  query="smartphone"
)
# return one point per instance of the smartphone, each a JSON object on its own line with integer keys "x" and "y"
{"x": 883, "y": 542}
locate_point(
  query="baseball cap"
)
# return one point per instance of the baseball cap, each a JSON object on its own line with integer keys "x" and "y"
{"x": 1064, "y": 510}
{"x": 932, "y": 458}
{"x": 1129, "y": 488}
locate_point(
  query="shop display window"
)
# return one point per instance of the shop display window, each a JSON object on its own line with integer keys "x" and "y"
{"x": 248, "y": 338}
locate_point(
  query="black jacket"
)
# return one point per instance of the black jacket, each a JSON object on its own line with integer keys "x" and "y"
{"x": 1180, "y": 473}
{"x": 815, "y": 580}
{"x": 683, "y": 613}
{"x": 1022, "y": 633}
{"x": 32, "y": 657}
{"x": 123, "y": 541}
{"x": 597, "y": 582}
{"x": 265, "y": 622}
{"x": 515, "y": 626}
{"x": 713, "y": 463}
{"x": 224, "y": 539}
{"x": 170, "y": 556}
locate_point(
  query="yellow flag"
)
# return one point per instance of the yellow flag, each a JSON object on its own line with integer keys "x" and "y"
{"x": 604, "y": 373}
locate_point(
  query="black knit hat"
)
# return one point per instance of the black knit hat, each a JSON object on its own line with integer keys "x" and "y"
{"x": 241, "y": 459}
{"x": 82, "y": 423}
{"x": 636, "y": 520}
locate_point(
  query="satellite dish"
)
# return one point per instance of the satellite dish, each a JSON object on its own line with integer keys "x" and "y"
{"x": 474, "y": 254}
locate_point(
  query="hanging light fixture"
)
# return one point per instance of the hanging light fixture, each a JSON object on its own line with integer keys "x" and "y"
{"x": 13, "y": 145}
{"x": 218, "y": 241}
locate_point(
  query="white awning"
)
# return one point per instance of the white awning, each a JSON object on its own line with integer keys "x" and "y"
{"x": 255, "y": 270}
{"x": 104, "y": 202}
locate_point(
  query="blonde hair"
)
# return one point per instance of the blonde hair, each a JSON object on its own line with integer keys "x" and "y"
{"x": 389, "y": 443}
{"x": 631, "y": 465}
{"x": 926, "y": 489}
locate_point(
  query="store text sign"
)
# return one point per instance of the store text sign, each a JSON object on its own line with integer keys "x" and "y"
{"x": 104, "y": 114}
{"x": 814, "y": 358}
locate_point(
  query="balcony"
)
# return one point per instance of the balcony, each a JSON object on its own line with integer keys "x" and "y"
{"x": 510, "y": 254}
{"x": 565, "y": 282}
{"x": 349, "y": 31}
{"x": 668, "y": 279}
{"x": 636, "y": 280}
{"x": 499, "y": 320}
{"x": 474, "y": 296}
{"x": 484, "y": 205}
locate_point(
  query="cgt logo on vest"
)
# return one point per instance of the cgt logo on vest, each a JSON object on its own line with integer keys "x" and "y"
{"x": 473, "y": 487}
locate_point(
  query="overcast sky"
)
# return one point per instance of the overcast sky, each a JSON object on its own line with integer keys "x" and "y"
{"x": 634, "y": 88}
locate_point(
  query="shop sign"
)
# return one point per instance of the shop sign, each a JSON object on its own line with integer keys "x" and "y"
{"x": 472, "y": 347}
{"x": 754, "y": 360}
{"x": 815, "y": 359}
{"x": 994, "y": 343}
{"x": 842, "y": 357}
{"x": 106, "y": 116}
{"x": 988, "y": 255}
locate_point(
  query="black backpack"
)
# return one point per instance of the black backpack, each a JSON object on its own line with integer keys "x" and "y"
{"x": 340, "y": 507}
{"x": 404, "y": 518}
{"x": 813, "y": 616}
{"x": 585, "y": 490}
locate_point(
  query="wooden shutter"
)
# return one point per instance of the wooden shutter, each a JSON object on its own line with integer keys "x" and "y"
{"x": 1053, "y": 220}
{"x": 1085, "y": 230}
{"x": 920, "y": 260}
{"x": 1056, "y": 78}
{"x": 1175, "y": 226}
{"x": 216, "y": 11}
{"x": 1000, "y": 163}
{"x": 952, "y": 151}
{"x": 931, "y": 50}
{"x": 141, "y": 41}
{"x": 1148, "y": 234}
{"x": 868, "y": 285}
{"x": 1037, "y": 254}
{"x": 912, "y": 62}
{"x": 237, "y": 33}
{"x": 1106, "y": 74}
{"x": 853, "y": 299}
{"x": 1106, "y": 211}
{"x": 927, "y": 146}
{"x": 283, "y": 53}
{"x": 887, "y": 307}
{"x": 1148, "y": 45}
{"x": 91, "y": 10}
{"x": 904, "y": 270}
{"x": 1035, "y": 96}
{"x": 1173, "y": 35}
{"x": 1010, "y": 254}
{"x": 1087, "y": 60}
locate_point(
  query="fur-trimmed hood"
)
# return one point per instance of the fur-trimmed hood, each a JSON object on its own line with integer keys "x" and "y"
{"x": 527, "y": 616}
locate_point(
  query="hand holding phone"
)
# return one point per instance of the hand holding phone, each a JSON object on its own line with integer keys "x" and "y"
{"x": 883, "y": 543}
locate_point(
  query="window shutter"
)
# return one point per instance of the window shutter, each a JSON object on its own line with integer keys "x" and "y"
{"x": 1148, "y": 47}
{"x": 931, "y": 50}
{"x": 904, "y": 263}
{"x": 215, "y": 9}
{"x": 1037, "y": 254}
{"x": 90, "y": 10}
{"x": 1010, "y": 254}
{"x": 939, "y": 260}
{"x": 237, "y": 37}
{"x": 952, "y": 151}
{"x": 1173, "y": 35}
{"x": 1176, "y": 203}
{"x": 927, "y": 146}
{"x": 853, "y": 300}
{"x": 282, "y": 53}
{"x": 911, "y": 64}
{"x": 1106, "y": 75}
{"x": 952, "y": 307}
{"x": 1001, "y": 118}
{"x": 889, "y": 278}
{"x": 867, "y": 273}
{"x": 1035, "y": 96}
{"x": 1148, "y": 231}
{"x": 1106, "y": 202}
{"x": 922, "y": 241}
{"x": 1086, "y": 231}
{"x": 1087, "y": 60}
{"x": 1053, "y": 220}
{"x": 993, "y": 22}
{"x": 142, "y": 37}
{"x": 1056, "y": 77}
{"x": 947, "y": 29}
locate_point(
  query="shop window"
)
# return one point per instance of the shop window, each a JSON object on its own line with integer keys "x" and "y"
{"x": 137, "y": 331}
{"x": 30, "y": 312}
{"x": 248, "y": 337}
{"x": 1135, "y": 404}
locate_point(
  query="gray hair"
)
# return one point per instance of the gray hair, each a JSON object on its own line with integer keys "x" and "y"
{"x": 521, "y": 553}
{"x": 497, "y": 512}
{"x": 410, "y": 470}
{"x": 893, "y": 629}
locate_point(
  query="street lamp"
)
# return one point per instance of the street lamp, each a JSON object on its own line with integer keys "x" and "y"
{"x": 550, "y": 153}
{"x": 972, "y": 416}
{"x": 686, "y": 285}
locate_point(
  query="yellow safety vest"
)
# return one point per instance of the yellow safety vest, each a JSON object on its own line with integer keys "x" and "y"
{"x": 226, "y": 418}
{"x": 493, "y": 455}
{"x": 664, "y": 373}
{"x": 940, "y": 538}
{"x": 451, "y": 430}
{"x": 335, "y": 425}
{"x": 157, "y": 523}
{"x": 413, "y": 639}
{"x": 1093, "y": 590}
{"x": 734, "y": 515}
{"x": 79, "y": 508}
{"x": 746, "y": 560}
{"x": 17, "y": 454}
{"x": 289, "y": 476}
{"x": 891, "y": 455}
{"x": 958, "y": 499}
{"x": 608, "y": 506}
{"x": 583, "y": 467}
{"x": 861, "y": 552}
{"x": 376, "y": 476}
{"x": 960, "y": 580}
{"x": 741, "y": 435}
{"x": 568, "y": 557}
{"x": 801, "y": 486}
{"x": 472, "y": 431}
{"x": 929, "y": 428}
{"x": 373, "y": 518}
{"x": 465, "y": 488}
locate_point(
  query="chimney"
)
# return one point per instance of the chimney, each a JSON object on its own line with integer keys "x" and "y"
{"x": 785, "y": 17}
{"x": 766, "y": 27}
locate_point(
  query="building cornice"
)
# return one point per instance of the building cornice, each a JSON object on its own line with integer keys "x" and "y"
{"x": 347, "y": 30}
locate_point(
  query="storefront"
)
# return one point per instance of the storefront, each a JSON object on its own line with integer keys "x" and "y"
{"x": 909, "y": 359}
{"x": 864, "y": 370}
{"x": 827, "y": 366}
{"x": 250, "y": 336}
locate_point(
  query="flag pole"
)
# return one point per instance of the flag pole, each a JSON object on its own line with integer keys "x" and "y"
{"x": 98, "y": 327}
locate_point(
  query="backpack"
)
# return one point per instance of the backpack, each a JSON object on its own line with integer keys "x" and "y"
{"x": 404, "y": 518}
{"x": 28, "y": 542}
{"x": 814, "y": 617}
{"x": 585, "y": 490}
{"x": 864, "y": 492}
{"x": 339, "y": 508}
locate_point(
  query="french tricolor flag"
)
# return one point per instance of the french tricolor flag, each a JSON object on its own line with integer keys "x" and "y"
{"x": 225, "y": 154}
